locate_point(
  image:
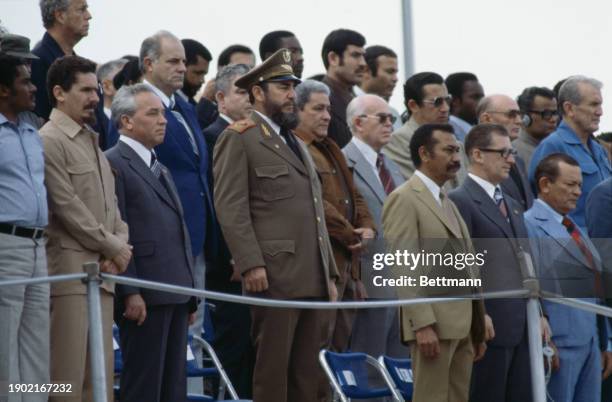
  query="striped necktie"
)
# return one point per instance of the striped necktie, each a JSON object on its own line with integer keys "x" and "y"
{"x": 384, "y": 174}
{"x": 155, "y": 166}
{"x": 499, "y": 201}
{"x": 575, "y": 234}
{"x": 177, "y": 114}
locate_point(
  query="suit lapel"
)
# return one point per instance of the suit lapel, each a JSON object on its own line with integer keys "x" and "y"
{"x": 364, "y": 170}
{"x": 488, "y": 207}
{"x": 558, "y": 232}
{"x": 137, "y": 164}
{"x": 273, "y": 142}
{"x": 426, "y": 197}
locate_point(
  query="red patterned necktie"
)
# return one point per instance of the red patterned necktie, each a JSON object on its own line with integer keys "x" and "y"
{"x": 575, "y": 233}
{"x": 384, "y": 174}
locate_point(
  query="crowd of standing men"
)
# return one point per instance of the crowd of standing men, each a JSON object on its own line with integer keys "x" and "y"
{"x": 278, "y": 187}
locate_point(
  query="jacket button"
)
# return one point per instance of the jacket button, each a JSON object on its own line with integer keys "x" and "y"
{"x": 318, "y": 219}
{"x": 202, "y": 194}
{"x": 315, "y": 199}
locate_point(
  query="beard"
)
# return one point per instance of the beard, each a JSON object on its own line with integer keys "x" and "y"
{"x": 190, "y": 90}
{"x": 287, "y": 120}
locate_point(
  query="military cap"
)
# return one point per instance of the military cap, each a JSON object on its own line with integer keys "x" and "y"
{"x": 16, "y": 46}
{"x": 275, "y": 68}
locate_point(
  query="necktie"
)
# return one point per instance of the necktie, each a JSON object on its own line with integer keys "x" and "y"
{"x": 177, "y": 114}
{"x": 291, "y": 142}
{"x": 499, "y": 201}
{"x": 445, "y": 203}
{"x": 384, "y": 174}
{"x": 155, "y": 166}
{"x": 575, "y": 234}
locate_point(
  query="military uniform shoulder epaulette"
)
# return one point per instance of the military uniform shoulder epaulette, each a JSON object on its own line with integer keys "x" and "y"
{"x": 241, "y": 126}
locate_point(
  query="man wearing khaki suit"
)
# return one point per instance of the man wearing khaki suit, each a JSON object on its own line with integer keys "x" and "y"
{"x": 84, "y": 224}
{"x": 445, "y": 338}
{"x": 269, "y": 204}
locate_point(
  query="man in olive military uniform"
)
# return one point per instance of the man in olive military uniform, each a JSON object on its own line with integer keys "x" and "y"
{"x": 269, "y": 204}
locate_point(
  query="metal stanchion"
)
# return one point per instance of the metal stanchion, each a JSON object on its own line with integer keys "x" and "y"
{"x": 534, "y": 330}
{"x": 96, "y": 341}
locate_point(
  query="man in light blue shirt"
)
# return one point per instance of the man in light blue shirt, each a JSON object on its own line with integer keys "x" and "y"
{"x": 24, "y": 309}
{"x": 580, "y": 100}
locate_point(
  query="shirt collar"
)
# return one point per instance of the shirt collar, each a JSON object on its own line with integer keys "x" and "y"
{"x": 272, "y": 124}
{"x": 20, "y": 123}
{"x": 56, "y": 49}
{"x": 556, "y": 216}
{"x": 167, "y": 101}
{"x": 488, "y": 187}
{"x": 358, "y": 91}
{"x": 226, "y": 118}
{"x": 460, "y": 122}
{"x": 183, "y": 95}
{"x": 430, "y": 184}
{"x": 567, "y": 134}
{"x": 70, "y": 127}
{"x": 367, "y": 151}
{"x": 141, "y": 150}
{"x": 524, "y": 135}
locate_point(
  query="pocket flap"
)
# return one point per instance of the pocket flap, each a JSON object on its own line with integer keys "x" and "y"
{"x": 272, "y": 171}
{"x": 143, "y": 249}
{"x": 80, "y": 168}
{"x": 274, "y": 247}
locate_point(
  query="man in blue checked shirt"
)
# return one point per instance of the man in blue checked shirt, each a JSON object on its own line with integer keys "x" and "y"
{"x": 24, "y": 309}
{"x": 580, "y": 100}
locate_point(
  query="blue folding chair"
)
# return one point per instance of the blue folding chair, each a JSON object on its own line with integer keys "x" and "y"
{"x": 348, "y": 375}
{"x": 398, "y": 374}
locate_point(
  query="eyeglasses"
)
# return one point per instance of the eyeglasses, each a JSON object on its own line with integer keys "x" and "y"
{"x": 439, "y": 100}
{"x": 546, "y": 114}
{"x": 504, "y": 153}
{"x": 382, "y": 117}
{"x": 511, "y": 114}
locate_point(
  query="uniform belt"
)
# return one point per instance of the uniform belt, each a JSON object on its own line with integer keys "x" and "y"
{"x": 30, "y": 233}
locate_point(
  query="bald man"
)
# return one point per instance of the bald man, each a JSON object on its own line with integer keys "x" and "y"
{"x": 503, "y": 110}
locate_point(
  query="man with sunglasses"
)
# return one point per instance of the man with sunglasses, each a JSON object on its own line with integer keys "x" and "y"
{"x": 428, "y": 102}
{"x": 495, "y": 223}
{"x": 538, "y": 106}
{"x": 503, "y": 110}
{"x": 580, "y": 100}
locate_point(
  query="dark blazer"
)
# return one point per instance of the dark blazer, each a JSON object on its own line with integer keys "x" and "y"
{"x": 211, "y": 133}
{"x": 502, "y": 240}
{"x": 189, "y": 172}
{"x": 207, "y": 112}
{"x": 153, "y": 212}
{"x": 517, "y": 185}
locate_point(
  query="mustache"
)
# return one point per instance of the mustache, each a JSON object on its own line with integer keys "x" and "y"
{"x": 454, "y": 166}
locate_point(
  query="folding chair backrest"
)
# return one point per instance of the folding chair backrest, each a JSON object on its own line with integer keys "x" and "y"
{"x": 400, "y": 371}
{"x": 349, "y": 373}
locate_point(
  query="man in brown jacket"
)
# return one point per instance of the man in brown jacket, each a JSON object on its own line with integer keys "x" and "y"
{"x": 269, "y": 204}
{"x": 84, "y": 223}
{"x": 347, "y": 216}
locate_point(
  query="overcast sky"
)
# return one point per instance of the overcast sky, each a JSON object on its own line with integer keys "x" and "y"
{"x": 509, "y": 44}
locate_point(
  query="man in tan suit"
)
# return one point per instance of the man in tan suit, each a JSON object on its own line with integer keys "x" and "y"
{"x": 445, "y": 338}
{"x": 269, "y": 204}
{"x": 84, "y": 223}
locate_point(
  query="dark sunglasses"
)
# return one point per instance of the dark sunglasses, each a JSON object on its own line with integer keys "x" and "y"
{"x": 505, "y": 153}
{"x": 546, "y": 114}
{"x": 439, "y": 100}
{"x": 382, "y": 117}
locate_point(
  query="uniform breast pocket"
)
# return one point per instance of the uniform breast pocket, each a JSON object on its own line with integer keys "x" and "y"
{"x": 83, "y": 180}
{"x": 274, "y": 182}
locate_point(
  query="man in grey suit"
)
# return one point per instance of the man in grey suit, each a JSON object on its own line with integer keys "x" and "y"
{"x": 496, "y": 226}
{"x": 375, "y": 331}
{"x": 153, "y": 325}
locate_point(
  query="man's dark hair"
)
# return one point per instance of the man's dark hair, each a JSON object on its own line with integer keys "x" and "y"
{"x": 374, "y": 52}
{"x": 337, "y": 41}
{"x": 8, "y": 69}
{"x": 481, "y": 135}
{"x": 605, "y": 137}
{"x": 549, "y": 167}
{"x": 455, "y": 81}
{"x": 558, "y": 86}
{"x": 270, "y": 42}
{"x": 63, "y": 72}
{"x": 413, "y": 88}
{"x": 226, "y": 54}
{"x": 129, "y": 74}
{"x": 193, "y": 49}
{"x": 525, "y": 99}
{"x": 423, "y": 136}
